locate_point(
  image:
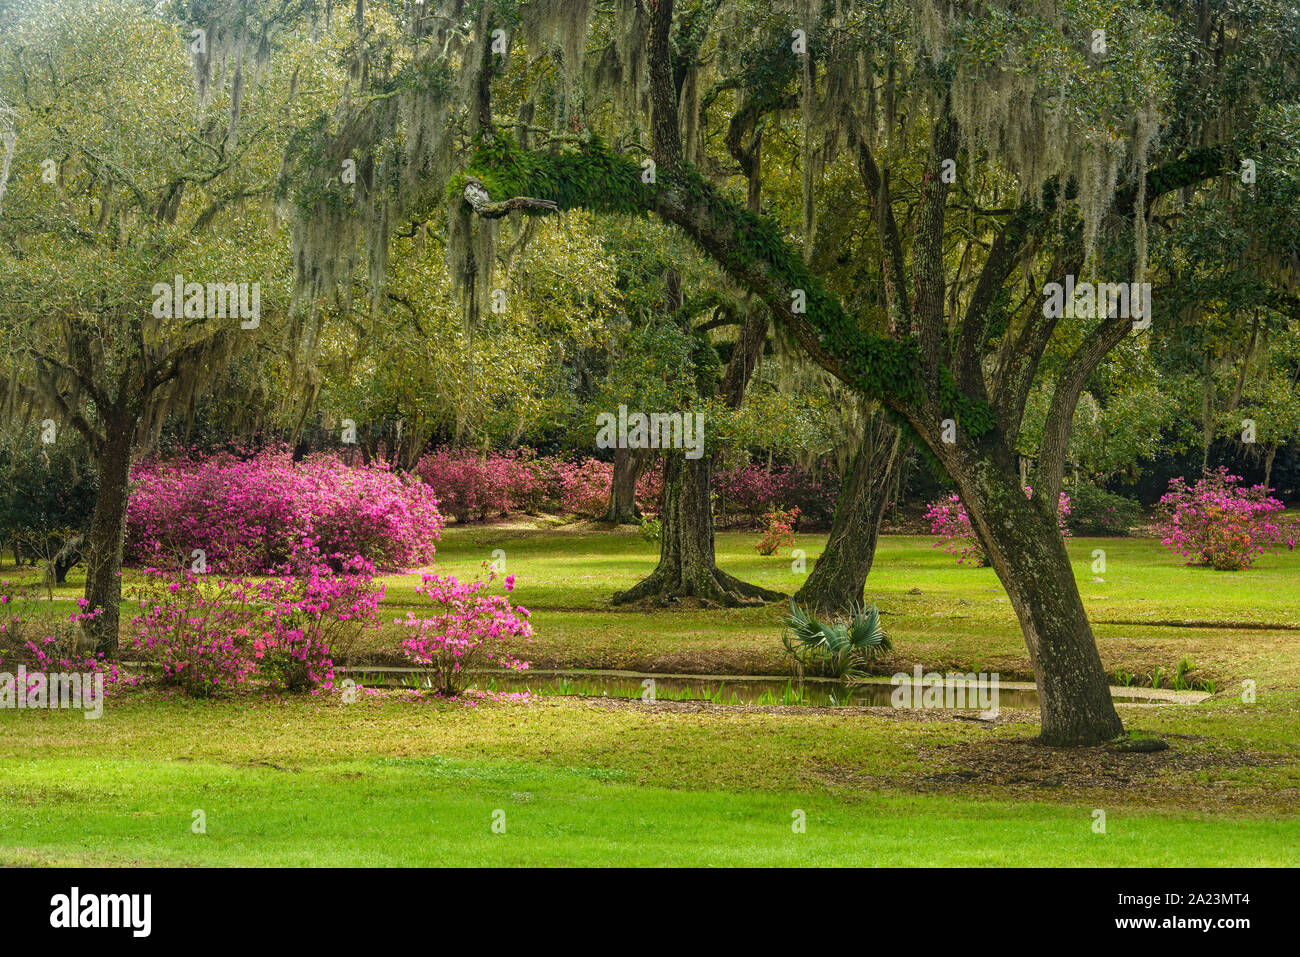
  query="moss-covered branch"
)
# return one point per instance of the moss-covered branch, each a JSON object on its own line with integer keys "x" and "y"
{"x": 748, "y": 246}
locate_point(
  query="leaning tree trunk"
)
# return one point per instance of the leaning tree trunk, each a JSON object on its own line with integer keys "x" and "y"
{"x": 628, "y": 466}
{"x": 1025, "y": 548}
{"x": 104, "y": 543}
{"x": 840, "y": 575}
{"x": 687, "y": 567}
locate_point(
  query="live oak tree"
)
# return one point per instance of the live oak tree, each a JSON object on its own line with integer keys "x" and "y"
{"x": 1043, "y": 142}
{"x": 123, "y": 179}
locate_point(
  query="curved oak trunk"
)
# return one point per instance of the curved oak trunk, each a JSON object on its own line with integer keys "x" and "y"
{"x": 840, "y": 575}
{"x": 628, "y": 466}
{"x": 1028, "y": 553}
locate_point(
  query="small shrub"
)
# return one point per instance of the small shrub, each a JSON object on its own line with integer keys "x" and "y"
{"x": 1220, "y": 523}
{"x": 778, "y": 530}
{"x": 651, "y": 528}
{"x": 466, "y": 627}
{"x": 197, "y": 629}
{"x": 1095, "y": 511}
{"x": 49, "y": 647}
{"x": 840, "y": 649}
{"x": 310, "y": 623}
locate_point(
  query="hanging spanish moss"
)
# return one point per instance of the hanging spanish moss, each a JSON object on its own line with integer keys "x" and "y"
{"x": 228, "y": 44}
{"x": 1036, "y": 125}
{"x": 9, "y": 140}
{"x": 560, "y": 25}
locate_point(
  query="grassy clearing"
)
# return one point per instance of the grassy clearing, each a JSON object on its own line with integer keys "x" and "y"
{"x": 396, "y": 779}
{"x": 391, "y": 780}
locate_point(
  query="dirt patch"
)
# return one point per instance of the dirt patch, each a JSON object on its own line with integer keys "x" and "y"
{"x": 1022, "y": 766}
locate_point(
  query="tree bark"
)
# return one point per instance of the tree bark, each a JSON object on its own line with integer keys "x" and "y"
{"x": 686, "y": 558}
{"x": 104, "y": 543}
{"x": 628, "y": 466}
{"x": 840, "y": 575}
{"x": 1025, "y": 548}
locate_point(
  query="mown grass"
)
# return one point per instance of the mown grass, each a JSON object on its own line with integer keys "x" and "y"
{"x": 430, "y": 811}
{"x": 396, "y": 779}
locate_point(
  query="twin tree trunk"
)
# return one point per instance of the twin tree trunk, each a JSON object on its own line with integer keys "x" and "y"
{"x": 686, "y": 561}
{"x": 1027, "y": 551}
{"x": 840, "y": 575}
{"x": 104, "y": 543}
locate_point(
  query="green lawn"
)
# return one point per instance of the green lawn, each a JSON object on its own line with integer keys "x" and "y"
{"x": 396, "y": 779}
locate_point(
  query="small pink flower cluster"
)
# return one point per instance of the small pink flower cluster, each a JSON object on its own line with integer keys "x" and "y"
{"x": 61, "y": 650}
{"x": 949, "y": 520}
{"x": 1221, "y": 523}
{"x": 468, "y": 627}
{"x": 249, "y": 513}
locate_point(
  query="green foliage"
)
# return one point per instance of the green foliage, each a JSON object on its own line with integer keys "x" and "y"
{"x": 47, "y": 492}
{"x": 1095, "y": 511}
{"x": 841, "y": 649}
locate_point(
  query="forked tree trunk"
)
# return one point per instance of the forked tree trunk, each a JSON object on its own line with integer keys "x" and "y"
{"x": 1027, "y": 551}
{"x": 687, "y": 567}
{"x": 628, "y": 466}
{"x": 840, "y": 575}
{"x": 104, "y": 543}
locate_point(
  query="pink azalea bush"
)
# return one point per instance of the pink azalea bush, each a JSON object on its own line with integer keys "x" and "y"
{"x": 249, "y": 514}
{"x": 1221, "y": 523}
{"x": 474, "y": 486}
{"x": 582, "y": 487}
{"x": 196, "y": 628}
{"x": 746, "y": 492}
{"x": 467, "y": 627}
{"x": 778, "y": 530}
{"x": 471, "y": 485}
{"x": 311, "y": 621}
{"x": 211, "y": 634}
{"x": 949, "y": 520}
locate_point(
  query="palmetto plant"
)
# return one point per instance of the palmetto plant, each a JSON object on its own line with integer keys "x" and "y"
{"x": 839, "y": 649}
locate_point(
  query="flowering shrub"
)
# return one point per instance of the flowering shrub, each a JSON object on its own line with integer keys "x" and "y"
{"x": 211, "y": 634}
{"x": 778, "y": 530}
{"x": 196, "y": 627}
{"x": 582, "y": 486}
{"x": 949, "y": 520}
{"x": 1221, "y": 523}
{"x": 250, "y": 514}
{"x": 467, "y": 626}
{"x": 56, "y": 647}
{"x": 311, "y": 621}
{"x": 749, "y": 490}
{"x": 471, "y": 485}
